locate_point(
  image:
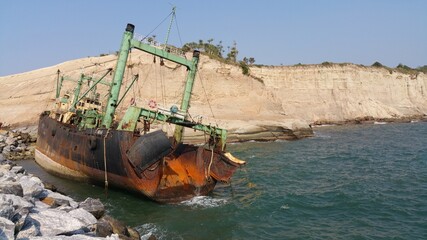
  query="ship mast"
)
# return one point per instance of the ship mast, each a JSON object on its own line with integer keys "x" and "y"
{"x": 118, "y": 77}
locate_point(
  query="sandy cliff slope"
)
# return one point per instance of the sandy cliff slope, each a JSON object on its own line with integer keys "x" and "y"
{"x": 343, "y": 92}
{"x": 274, "y": 102}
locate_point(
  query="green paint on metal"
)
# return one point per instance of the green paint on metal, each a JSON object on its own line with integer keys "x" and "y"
{"x": 130, "y": 119}
{"x": 162, "y": 53}
{"x": 77, "y": 93}
{"x": 94, "y": 85}
{"x": 185, "y": 103}
{"x": 133, "y": 114}
{"x": 118, "y": 77}
{"x": 127, "y": 90}
{"x": 89, "y": 119}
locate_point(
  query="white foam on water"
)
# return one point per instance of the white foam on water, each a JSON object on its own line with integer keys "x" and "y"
{"x": 323, "y": 125}
{"x": 380, "y": 123}
{"x": 150, "y": 229}
{"x": 204, "y": 202}
{"x": 285, "y": 207}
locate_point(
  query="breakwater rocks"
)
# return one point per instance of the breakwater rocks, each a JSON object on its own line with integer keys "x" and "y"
{"x": 29, "y": 210}
{"x": 18, "y": 144}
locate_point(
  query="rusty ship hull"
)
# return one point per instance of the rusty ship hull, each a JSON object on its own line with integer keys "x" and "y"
{"x": 148, "y": 164}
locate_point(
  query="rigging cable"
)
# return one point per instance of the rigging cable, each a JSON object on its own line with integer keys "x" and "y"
{"x": 179, "y": 35}
{"x": 207, "y": 99}
{"x": 143, "y": 82}
{"x": 105, "y": 165}
{"x": 156, "y": 27}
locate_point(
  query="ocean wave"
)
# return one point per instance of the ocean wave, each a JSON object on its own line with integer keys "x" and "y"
{"x": 204, "y": 202}
{"x": 321, "y": 135}
{"x": 150, "y": 229}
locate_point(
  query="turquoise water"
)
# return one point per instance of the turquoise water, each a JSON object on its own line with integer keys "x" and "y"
{"x": 347, "y": 182}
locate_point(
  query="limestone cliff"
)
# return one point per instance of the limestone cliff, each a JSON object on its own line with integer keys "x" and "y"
{"x": 343, "y": 92}
{"x": 273, "y": 102}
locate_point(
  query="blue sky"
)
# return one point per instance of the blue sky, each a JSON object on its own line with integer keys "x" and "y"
{"x": 36, "y": 34}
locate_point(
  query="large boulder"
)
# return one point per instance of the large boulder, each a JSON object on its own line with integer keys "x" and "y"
{"x": 94, "y": 206}
{"x": 32, "y": 186}
{"x": 56, "y": 199}
{"x": 7, "y": 229}
{"x": 108, "y": 225}
{"x": 17, "y": 201}
{"x": 10, "y": 187}
{"x": 76, "y": 237}
{"x": 6, "y": 209}
{"x": 51, "y": 222}
{"x": 84, "y": 216}
{"x": 103, "y": 228}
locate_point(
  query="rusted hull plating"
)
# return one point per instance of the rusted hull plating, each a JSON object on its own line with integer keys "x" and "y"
{"x": 144, "y": 164}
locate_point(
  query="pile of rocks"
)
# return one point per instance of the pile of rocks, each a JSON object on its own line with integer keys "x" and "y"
{"x": 28, "y": 210}
{"x": 19, "y": 143}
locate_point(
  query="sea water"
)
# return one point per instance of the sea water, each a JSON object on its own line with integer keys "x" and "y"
{"x": 346, "y": 182}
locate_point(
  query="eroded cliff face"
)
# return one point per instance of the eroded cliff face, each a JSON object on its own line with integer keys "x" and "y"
{"x": 274, "y": 102}
{"x": 336, "y": 93}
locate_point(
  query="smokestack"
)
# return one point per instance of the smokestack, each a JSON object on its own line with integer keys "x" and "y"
{"x": 196, "y": 54}
{"x": 130, "y": 27}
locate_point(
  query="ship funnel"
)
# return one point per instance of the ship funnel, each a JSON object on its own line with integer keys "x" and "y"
{"x": 130, "y": 27}
{"x": 196, "y": 54}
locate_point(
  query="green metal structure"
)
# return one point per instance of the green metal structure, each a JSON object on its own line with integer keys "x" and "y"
{"x": 94, "y": 119}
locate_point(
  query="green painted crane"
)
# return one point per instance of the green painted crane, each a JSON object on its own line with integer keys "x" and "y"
{"x": 133, "y": 114}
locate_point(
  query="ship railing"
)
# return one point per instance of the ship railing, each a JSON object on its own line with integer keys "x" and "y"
{"x": 152, "y": 42}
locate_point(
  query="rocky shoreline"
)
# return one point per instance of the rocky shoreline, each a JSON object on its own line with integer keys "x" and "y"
{"x": 372, "y": 120}
{"x": 19, "y": 143}
{"x": 30, "y": 209}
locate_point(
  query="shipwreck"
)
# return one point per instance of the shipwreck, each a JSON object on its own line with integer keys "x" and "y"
{"x": 82, "y": 138}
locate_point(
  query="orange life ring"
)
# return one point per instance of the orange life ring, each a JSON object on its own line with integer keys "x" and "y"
{"x": 152, "y": 104}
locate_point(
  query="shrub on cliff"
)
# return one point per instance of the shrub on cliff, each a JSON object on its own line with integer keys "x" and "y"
{"x": 377, "y": 64}
{"x": 405, "y": 69}
{"x": 327, "y": 64}
{"x": 422, "y": 69}
{"x": 245, "y": 67}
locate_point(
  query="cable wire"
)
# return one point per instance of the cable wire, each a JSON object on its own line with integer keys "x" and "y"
{"x": 207, "y": 99}
{"x": 156, "y": 27}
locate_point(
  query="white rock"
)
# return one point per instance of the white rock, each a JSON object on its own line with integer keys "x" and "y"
{"x": 29, "y": 230}
{"x": 52, "y": 222}
{"x": 76, "y": 237}
{"x": 6, "y": 209}
{"x": 5, "y": 167}
{"x": 86, "y": 217}
{"x": 17, "y": 201}
{"x": 31, "y": 186}
{"x": 7, "y": 229}
{"x": 62, "y": 199}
